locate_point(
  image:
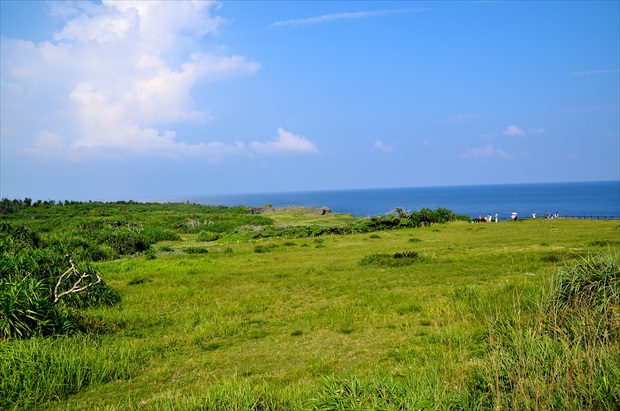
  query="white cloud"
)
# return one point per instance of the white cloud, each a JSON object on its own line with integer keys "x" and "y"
{"x": 513, "y": 130}
{"x": 137, "y": 142}
{"x": 286, "y": 142}
{"x": 342, "y": 16}
{"x": 382, "y": 147}
{"x": 594, "y": 72}
{"x": 157, "y": 21}
{"x": 487, "y": 151}
{"x": 113, "y": 76}
{"x": 101, "y": 28}
{"x": 539, "y": 130}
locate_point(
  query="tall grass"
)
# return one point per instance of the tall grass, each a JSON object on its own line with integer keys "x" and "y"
{"x": 40, "y": 370}
{"x": 235, "y": 393}
{"x": 564, "y": 354}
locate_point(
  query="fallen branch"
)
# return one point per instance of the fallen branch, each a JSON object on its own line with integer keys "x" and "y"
{"x": 77, "y": 285}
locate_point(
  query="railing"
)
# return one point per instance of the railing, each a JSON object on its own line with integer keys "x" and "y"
{"x": 578, "y": 217}
{"x": 593, "y": 217}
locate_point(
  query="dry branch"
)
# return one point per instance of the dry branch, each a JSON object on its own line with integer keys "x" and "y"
{"x": 78, "y": 285}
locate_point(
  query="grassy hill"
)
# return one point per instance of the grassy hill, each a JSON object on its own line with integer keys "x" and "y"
{"x": 509, "y": 315}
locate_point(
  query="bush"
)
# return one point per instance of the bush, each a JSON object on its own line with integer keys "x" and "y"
{"x": 208, "y": 236}
{"x": 29, "y": 272}
{"x": 393, "y": 260}
{"x": 588, "y": 291}
{"x": 97, "y": 295}
{"x": 80, "y": 248}
{"x": 150, "y": 254}
{"x": 125, "y": 242}
{"x": 26, "y": 309}
{"x": 155, "y": 234}
{"x": 140, "y": 280}
{"x": 409, "y": 219}
{"x": 195, "y": 250}
{"x": 20, "y": 235}
{"x": 261, "y": 249}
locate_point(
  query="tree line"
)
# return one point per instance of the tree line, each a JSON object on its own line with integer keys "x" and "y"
{"x": 8, "y": 206}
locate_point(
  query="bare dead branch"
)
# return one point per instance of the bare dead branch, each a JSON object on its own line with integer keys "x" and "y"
{"x": 78, "y": 285}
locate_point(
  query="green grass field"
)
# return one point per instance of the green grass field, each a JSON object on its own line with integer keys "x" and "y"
{"x": 449, "y": 316}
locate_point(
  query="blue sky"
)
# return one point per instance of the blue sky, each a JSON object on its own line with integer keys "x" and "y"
{"x": 130, "y": 100}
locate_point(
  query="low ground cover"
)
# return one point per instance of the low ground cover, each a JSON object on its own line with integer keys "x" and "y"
{"x": 446, "y": 316}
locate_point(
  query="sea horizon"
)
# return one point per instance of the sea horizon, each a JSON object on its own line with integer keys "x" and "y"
{"x": 570, "y": 199}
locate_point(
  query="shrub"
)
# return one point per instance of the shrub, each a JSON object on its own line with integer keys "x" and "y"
{"x": 21, "y": 235}
{"x": 589, "y": 290}
{"x": 97, "y": 295}
{"x": 141, "y": 280}
{"x": 393, "y": 260}
{"x": 262, "y": 249}
{"x": 28, "y": 276}
{"x": 208, "y": 236}
{"x": 26, "y": 309}
{"x": 80, "y": 248}
{"x": 125, "y": 242}
{"x": 150, "y": 254}
{"x": 195, "y": 250}
{"x": 155, "y": 234}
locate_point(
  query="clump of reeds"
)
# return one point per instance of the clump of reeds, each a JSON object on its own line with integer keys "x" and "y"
{"x": 39, "y": 370}
{"x": 585, "y": 300}
{"x": 566, "y": 355}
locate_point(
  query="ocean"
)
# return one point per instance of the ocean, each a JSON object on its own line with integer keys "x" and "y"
{"x": 579, "y": 199}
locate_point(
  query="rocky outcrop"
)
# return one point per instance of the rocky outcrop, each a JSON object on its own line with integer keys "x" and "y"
{"x": 261, "y": 210}
{"x": 269, "y": 209}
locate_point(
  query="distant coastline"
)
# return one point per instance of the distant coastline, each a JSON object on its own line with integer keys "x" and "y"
{"x": 598, "y": 198}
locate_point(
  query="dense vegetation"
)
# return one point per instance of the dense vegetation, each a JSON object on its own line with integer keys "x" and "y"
{"x": 207, "y": 307}
{"x": 38, "y": 295}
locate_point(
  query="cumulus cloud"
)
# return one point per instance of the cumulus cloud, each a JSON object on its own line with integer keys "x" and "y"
{"x": 117, "y": 20}
{"x": 513, "y": 130}
{"x": 382, "y": 147}
{"x": 286, "y": 143}
{"x": 115, "y": 77}
{"x": 487, "y": 151}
